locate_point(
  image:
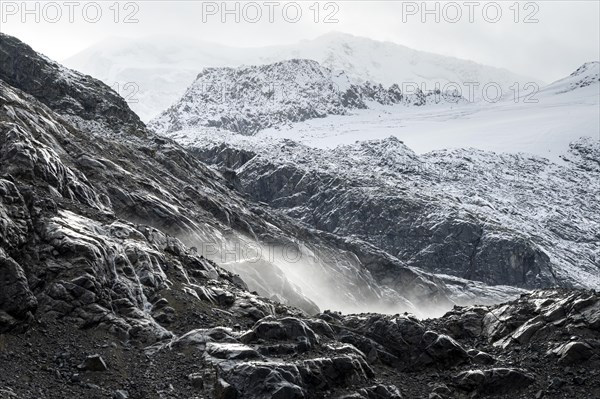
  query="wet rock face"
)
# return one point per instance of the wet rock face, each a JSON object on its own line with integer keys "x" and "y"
{"x": 64, "y": 251}
{"x": 17, "y": 302}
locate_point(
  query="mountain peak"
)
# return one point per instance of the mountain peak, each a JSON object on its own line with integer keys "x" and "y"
{"x": 248, "y": 99}
{"x": 587, "y": 75}
{"x": 588, "y": 68}
{"x": 341, "y": 36}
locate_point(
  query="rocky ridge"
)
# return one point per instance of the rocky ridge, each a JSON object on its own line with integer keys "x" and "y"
{"x": 248, "y": 99}
{"x": 496, "y": 218}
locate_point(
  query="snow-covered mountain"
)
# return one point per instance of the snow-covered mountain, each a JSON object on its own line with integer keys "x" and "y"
{"x": 528, "y": 121}
{"x": 159, "y": 69}
{"x": 247, "y": 100}
{"x": 585, "y": 77}
{"x": 365, "y": 59}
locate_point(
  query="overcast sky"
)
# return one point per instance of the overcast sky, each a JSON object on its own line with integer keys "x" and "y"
{"x": 559, "y": 35}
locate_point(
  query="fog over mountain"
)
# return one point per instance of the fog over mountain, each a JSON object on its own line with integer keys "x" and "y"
{"x": 159, "y": 69}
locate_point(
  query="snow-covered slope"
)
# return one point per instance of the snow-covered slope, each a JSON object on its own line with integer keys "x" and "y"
{"x": 389, "y": 63}
{"x": 585, "y": 77}
{"x": 542, "y": 123}
{"x": 161, "y": 68}
{"x": 249, "y": 99}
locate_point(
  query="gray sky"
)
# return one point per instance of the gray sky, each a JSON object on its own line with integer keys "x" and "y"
{"x": 560, "y": 35}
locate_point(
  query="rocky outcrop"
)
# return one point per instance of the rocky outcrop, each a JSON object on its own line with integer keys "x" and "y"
{"x": 470, "y": 352}
{"x": 246, "y": 100}
{"x": 68, "y": 92}
{"x": 585, "y": 154}
{"x": 17, "y": 303}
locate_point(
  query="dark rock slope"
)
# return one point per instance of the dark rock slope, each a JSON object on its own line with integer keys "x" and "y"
{"x": 103, "y": 296}
{"x": 507, "y": 219}
{"x": 68, "y": 92}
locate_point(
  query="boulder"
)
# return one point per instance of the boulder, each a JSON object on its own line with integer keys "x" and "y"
{"x": 496, "y": 381}
{"x": 574, "y": 353}
{"x": 288, "y": 328}
{"x": 94, "y": 363}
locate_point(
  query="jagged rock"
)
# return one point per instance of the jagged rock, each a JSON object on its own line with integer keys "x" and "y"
{"x": 480, "y": 357}
{"x": 465, "y": 322}
{"x": 266, "y": 380}
{"x": 373, "y": 351}
{"x": 262, "y": 380}
{"x": 376, "y": 392}
{"x": 94, "y": 363}
{"x": 442, "y": 351}
{"x": 337, "y": 371}
{"x": 231, "y": 351}
{"x": 406, "y": 339}
{"x": 574, "y": 353}
{"x": 592, "y": 315}
{"x": 225, "y": 391}
{"x": 197, "y": 380}
{"x": 527, "y": 330}
{"x": 121, "y": 394}
{"x": 288, "y": 328}
{"x": 16, "y": 300}
{"x": 198, "y": 338}
{"x": 497, "y": 381}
